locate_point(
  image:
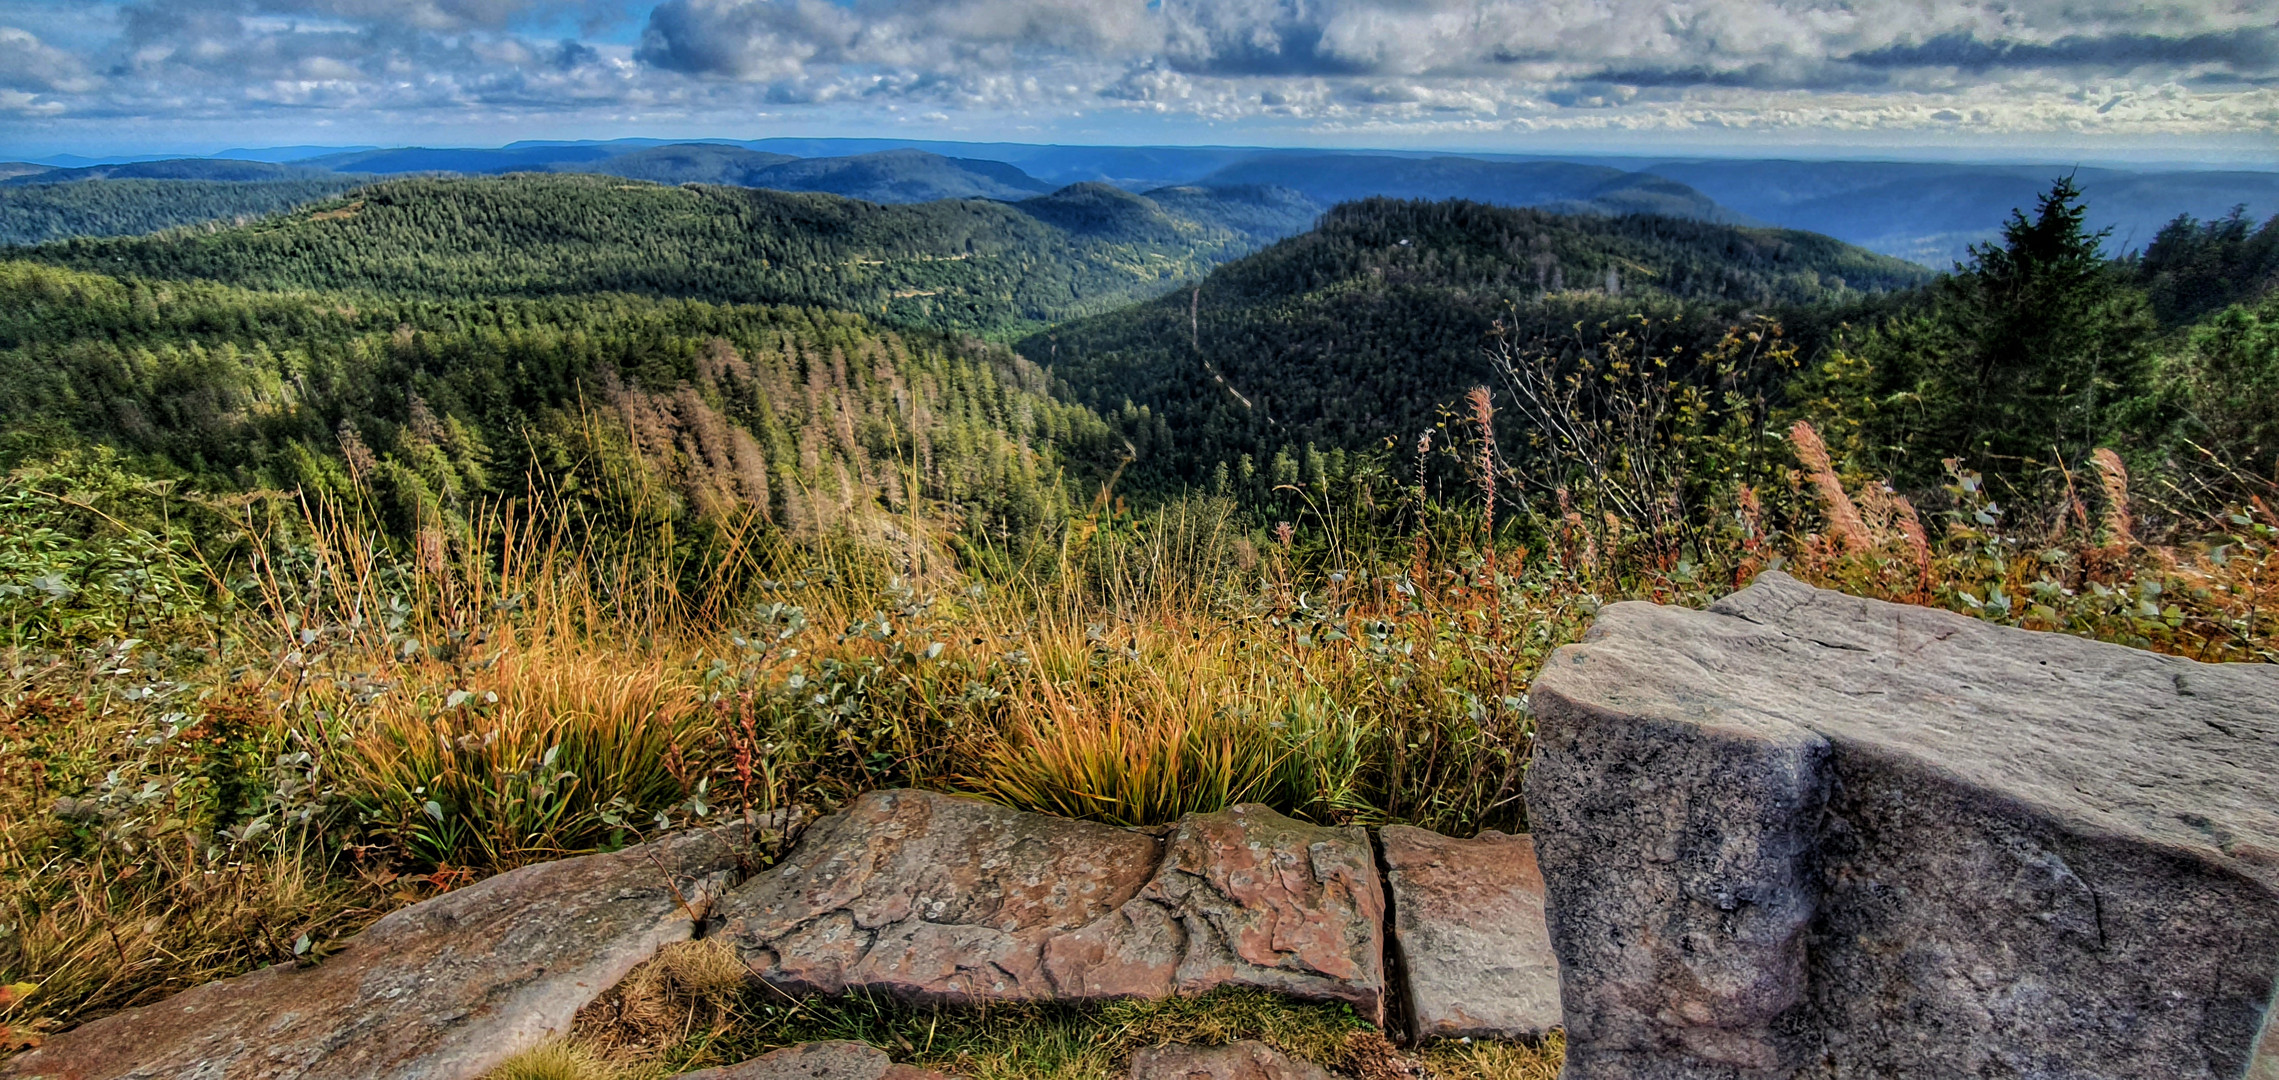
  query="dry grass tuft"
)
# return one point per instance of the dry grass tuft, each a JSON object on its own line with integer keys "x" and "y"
{"x": 1844, "y": 523}
{"x": 706, "y": 969}
{"x": 1497, "y": 1060}
{"x": 555, "y": 1061}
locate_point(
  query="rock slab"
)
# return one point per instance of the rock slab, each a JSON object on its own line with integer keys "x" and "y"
{"x": 933, "y": 898}
{"x": 1469, "y": 928}
{"x": 1803, "y": 834}
{"x": 836, "y": 1060}
{"x": 442, "y": 990}
{"x": 1245, "y": 1060}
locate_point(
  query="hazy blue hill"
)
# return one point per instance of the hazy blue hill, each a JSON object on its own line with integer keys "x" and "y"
{"x": 688, "y": 163}
{"x": 219, "y": 169}
{"x": 1362, "y": 329}
{"x": 411, "y": 159}
{"x": 9, "y": 170}
{"x": 901, "y": 176}
{"x": 1263, "y": 213}
{"x": 1932, "y": 211}
{"x": 41, "y": 213}
{"x": 1333, "y": 178}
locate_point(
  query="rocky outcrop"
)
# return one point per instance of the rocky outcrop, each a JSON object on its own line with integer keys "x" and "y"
{"x": 1469, "y": 927}
{"x": 441, "y": 990}
{"x": 1806, "y": 835}
{"x": 934, "y": 898}
{"x": 1246, "y": 1060}
{"x": 836, "y": 1060}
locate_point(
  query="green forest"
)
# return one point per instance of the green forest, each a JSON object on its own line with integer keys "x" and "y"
{"x": 36, "y": 213}
{"x": 964, "y": 264}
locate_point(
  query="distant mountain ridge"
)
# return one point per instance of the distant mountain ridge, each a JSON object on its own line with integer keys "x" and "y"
{"x": 968, "y": 265}
{"x": 1558, "y": 186}
{"x": 217, "y": 169}
{"x": 1929, "y": 212}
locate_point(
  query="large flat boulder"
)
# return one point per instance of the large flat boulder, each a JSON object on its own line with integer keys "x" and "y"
{"x": 1803, "y": 834}
{"x": 933, "y": 898}
{"x": 441, "y": 990}
{"x": 1468, "y": 926}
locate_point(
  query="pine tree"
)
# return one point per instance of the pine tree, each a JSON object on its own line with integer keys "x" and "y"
{"x": 2053, "y": 342}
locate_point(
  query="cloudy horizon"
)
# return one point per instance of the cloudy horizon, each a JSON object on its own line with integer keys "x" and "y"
{"x": 1910, "y": 78}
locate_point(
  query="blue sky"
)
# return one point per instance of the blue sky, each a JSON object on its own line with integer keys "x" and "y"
{"x": 2114, "y": 79}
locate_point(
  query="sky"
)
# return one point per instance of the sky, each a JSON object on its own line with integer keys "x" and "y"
{"x": 1986, "y": 79}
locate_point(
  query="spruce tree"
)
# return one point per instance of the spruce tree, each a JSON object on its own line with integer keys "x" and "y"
{"x": 2050, "y": 343}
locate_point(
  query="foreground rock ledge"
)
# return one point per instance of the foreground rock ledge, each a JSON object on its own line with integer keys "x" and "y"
{"x": 933, "y": 898}
{"x": 442, "y": 990}
{"x": 1807, "y": 835}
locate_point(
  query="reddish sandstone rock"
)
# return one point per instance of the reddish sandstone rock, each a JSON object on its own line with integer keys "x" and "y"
{"x": 1468, "y": 921}
{"x": 1245, "y": 897}
{"x": 838, "y": 1060}
{"x": 930, "y": 897}
{"x": 1246, "y": 1060}
{"x": 442, "y": 990}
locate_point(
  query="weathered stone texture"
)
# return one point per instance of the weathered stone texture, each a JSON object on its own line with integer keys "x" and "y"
{"x": 836, "y": 1060}
{"x": 442, "y": 990}
{"x": 1805, "y": 835}
{"x": 1245, "y": 1060}
{"x": 929, "y": 897}
{"x": 1245, "y": 897}
{"x": 1469, "y": 928}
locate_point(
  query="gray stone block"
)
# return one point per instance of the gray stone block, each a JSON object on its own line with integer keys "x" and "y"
{"x": 1803, "y": 834}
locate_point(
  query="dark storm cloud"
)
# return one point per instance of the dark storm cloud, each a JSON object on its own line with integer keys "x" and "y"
{"x": 2248, "y": 50}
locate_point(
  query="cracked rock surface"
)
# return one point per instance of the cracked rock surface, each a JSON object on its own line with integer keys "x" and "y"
{"x": 1245, "y": 1060}
{"x": 442, "y": 990}
{"x": 835, "y": 1060}
{"x": 1244, "y": 897}
{"x": 1803, "y": 834}
{"x": 929, "y": 897}
{"x": 1468, "y": 919}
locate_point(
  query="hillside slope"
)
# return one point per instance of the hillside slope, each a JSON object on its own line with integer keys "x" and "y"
{"x": 970, "y": 265}
{"x": 811, "y": 420}
{"x": 1365, "y": 328}
{"x": 41, "y": 213}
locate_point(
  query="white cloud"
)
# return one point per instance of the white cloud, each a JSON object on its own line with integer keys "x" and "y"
{"x": 29, "y": 64}
{"x": 1368, "y": 66}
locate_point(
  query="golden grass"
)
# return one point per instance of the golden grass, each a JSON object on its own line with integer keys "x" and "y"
{"x": 555, "y": 1061}
{"x": 525, "y": 757}
{"x": 1480, "y": 1060}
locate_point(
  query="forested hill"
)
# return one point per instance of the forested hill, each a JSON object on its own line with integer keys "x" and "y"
{"x": 966, "y": 265}
{"x": 808, "y": 420}
{"x": 40, "y": 213}
{"x": 1364, "y": 328}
